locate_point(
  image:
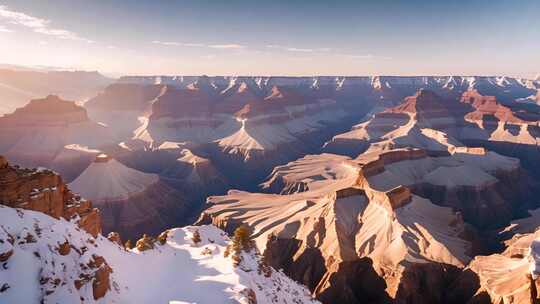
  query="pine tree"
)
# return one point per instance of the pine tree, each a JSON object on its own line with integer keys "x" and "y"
{"x": 145, "y": 243}
{"x": 241, "y": 239}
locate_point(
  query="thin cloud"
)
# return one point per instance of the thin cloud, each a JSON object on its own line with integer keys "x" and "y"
{"x": 5, "y": 30}
{"x": 193, "y": 44}
{"x": 38, "y": 25}
{"x": 213, "y": 46}
{"x": 226, "y": 46}
{"x": 167, "y": 43}
{"x": 298, "y": 49}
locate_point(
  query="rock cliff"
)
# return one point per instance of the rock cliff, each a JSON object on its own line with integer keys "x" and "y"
{"x": 44, "y": 191}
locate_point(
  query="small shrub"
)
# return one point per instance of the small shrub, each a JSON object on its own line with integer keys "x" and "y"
{"x": 196, "y": 238}
{"x": 145, "y": 243}
{"x": 162, "y": 238}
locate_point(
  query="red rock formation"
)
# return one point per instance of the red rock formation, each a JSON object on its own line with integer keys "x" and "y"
{"x": 51, "y": 110}
{"x": 125, "y": 97}
{"x": 176, "y": 102}
{"x": 236, "y": 99}
{"x": 36, "y": 134}
{"x": 276, "y": 101}
{"x": 19, "y": 85}
{"x": 485, "y": 106}
{"x": 423, "y": 102}
{"x": 44, "y": 191}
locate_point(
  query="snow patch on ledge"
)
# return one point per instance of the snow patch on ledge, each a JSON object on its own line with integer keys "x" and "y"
{"x": 534, "y": 255}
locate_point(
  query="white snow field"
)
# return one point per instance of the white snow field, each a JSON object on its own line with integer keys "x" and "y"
{"x": 179, "y": 271}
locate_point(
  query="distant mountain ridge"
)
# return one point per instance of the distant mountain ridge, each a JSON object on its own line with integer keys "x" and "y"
{"x": 378, "y": 82}
{"x": 19, "y": 84}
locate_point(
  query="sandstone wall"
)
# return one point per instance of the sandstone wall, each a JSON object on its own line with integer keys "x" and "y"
{"x": 44, "y": 191}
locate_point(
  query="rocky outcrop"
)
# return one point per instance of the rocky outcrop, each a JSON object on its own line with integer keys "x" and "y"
{"x": 38, "y": 267}
{"x": 44, "y": 191}
{"x": 353, "y": 239}
{"x": 64, "y": 260}
{"x": 308, "y": 173}
{"x": 508, "y": 277}
{"x": 485, "y": 187}
{"x": 493, "y": 191}
{"x": 433, "y": 122}
{"x": 342, "y": 230}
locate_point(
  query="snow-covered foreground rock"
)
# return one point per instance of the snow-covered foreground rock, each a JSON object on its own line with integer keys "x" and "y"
{"x": 45, "y": 260}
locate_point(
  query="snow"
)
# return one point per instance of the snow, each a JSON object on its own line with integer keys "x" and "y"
{"x": 111, "y": 180}
{"x": 176, "y": 272}
{"x": 535, "y": 258}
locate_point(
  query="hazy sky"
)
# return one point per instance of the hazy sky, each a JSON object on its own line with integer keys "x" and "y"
{"x": 271, "y": 37}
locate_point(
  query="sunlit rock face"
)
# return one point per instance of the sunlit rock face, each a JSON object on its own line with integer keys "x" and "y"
{"x": 242, "y": 125}
{"x": 508, "y": 277}
{"x": 36, "y": 134}
{"x": 373, "y": 226}
{"x": 44, "y": 191}
{"x": 123, "y": 107}
{"x": 429, "y": 121}
{"x": 260, "y": 122}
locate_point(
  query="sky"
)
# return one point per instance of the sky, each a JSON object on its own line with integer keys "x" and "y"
{"x": 274, "y": 37}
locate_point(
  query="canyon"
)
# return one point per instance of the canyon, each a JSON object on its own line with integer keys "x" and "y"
{"x": 378, "y": 189}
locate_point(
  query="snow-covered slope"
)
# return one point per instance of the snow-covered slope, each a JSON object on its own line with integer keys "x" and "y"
{"x": 52, "y": 261}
